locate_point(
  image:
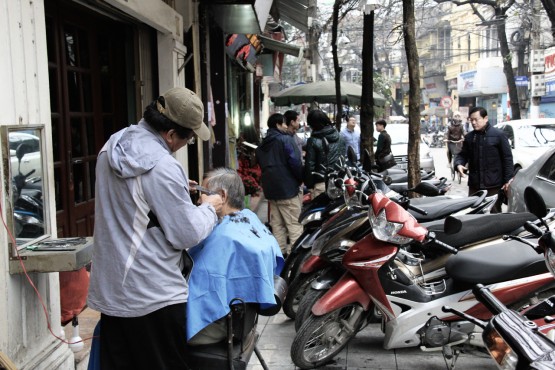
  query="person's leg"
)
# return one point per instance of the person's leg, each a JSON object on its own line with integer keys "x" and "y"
{"x": 278, "y": 225}
{"x": 497, "y": 206}
{"x": 318, "y": 189}
{"x": 153, "y": 341}
{"x": 290, "y": 211}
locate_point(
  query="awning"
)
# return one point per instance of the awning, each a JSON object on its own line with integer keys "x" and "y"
{"x": 280, "y": 46}
{"x": 294, "y": 12}
{"x": 241, "y": 16}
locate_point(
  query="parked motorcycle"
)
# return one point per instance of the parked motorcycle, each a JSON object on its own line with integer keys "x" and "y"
{"x": 337, "y": 235}
{"x": 513, "y": 340}
{"x": 411, "y": 307}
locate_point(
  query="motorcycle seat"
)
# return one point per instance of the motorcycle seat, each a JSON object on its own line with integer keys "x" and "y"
{"x": 477, "y": 227}
{"x": 441, "y": 208}
{"x": 494, "y": 263}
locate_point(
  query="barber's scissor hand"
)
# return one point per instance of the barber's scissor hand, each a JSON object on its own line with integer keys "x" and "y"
{"x": 214, "y": 199}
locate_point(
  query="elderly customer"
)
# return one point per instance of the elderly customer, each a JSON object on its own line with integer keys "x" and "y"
{"x": 144, "y": 223}
{"x": 238, "y": 260}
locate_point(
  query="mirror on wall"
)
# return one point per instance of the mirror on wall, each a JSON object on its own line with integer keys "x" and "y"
{"x": 25, "y": 181}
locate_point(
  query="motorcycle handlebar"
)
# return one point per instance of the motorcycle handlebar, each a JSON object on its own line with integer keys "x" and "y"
{"x": 533, "y": 229}
{"x": 418, "y": 210}
{"x": 486, "y": 297}
{"x": 446, "y": 247}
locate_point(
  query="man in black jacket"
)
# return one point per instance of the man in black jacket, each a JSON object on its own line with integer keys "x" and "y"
{"x": 383, "y": 148}
{"x": 323, "y": 149}
{"x": 281, "y": 166}
{"x": 486, "y": 155}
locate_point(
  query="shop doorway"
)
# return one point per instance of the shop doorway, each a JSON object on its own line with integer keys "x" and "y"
{"x": 89, "y": 101}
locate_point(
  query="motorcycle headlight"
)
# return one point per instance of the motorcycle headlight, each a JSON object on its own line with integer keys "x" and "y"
{"x": 320, "y": 243}
{"x": 550, "y": 260}
{"x": 499, "y": 350}
{"x": 333, "y": 191}
{"x": 315, "y": 216}
{"x": 386, "y": 230}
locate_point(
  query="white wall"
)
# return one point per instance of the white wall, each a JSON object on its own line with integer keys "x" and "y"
{"x": 24, "y": 336}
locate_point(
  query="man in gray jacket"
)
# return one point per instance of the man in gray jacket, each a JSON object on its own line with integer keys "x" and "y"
{"x": 144, "y": 223}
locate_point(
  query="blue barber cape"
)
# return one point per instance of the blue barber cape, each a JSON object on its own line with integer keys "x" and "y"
{"x": 237, "y": 260}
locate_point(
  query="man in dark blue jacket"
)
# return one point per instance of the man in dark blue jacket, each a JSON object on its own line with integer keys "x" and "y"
{"x": 486, "y": 155}
{"x": 281, "y": 166}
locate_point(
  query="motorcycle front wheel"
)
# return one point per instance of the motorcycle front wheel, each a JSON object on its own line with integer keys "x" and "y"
{"x": 296, "y": 291}
{"x": 321, "y": 338}
{"x": 305, "y": 305}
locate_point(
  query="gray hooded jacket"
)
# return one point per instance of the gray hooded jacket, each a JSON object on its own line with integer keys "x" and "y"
{"x": 144, "y": 220}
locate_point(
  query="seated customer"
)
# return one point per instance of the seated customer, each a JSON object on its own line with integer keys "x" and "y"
{"x": 237, "y": 260}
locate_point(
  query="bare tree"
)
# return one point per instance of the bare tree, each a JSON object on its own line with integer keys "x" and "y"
{"x": 414, "y": 92}
{"x": 500, "y": 9}
{"x": 549, "y": 6}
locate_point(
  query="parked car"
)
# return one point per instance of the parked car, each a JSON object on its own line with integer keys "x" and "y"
{"x": 31, "y": 160}
{"x": 399, "y": 133}
{"x": 529, "y": 139}
{"x": 540, "y": 175}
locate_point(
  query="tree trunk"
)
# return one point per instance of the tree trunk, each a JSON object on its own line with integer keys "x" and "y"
{"x": 336, "y": 68}
{"x": 508, "y": 68}
{"x": 414, "y": 93}
{"x": 367, "y": 98}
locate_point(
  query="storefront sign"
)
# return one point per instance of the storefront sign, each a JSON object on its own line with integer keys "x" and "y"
{"x": 521, "y": 80}
{"x": 549, "y": 76}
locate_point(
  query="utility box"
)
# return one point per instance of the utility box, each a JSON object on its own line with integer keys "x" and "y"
{"x": 537, "y": 85}
{"x": 537, "y": 61}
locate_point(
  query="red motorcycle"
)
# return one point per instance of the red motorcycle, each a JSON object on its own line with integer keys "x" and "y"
{"x": 411, "y": 309}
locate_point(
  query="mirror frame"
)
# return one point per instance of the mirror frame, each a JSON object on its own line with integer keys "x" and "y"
{"x": 9, "y": 189}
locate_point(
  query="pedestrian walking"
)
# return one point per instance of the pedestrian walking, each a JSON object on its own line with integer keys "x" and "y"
{"x": 281, "y": 167}
{"x": 455, "y": 136}
{"x": 486, "y": 155}
{"x": 351, "y": 136}
{"x": 144, "y": 223}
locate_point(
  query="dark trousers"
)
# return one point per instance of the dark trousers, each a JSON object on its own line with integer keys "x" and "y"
{"x": 154, "y": 341}
{"x": 493, "y": 191}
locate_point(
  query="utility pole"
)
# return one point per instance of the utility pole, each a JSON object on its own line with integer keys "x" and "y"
{"x": 313, "y": 42}
{"x": 535, "y": 99}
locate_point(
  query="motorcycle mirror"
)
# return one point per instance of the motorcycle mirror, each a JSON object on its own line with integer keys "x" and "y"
{"x": 535, "y": 202}
{"x": 452, "y": 225}
{"x": 387, "y": 180}
{"x": 427, "y": 189}
{"x": 21, "y": 150}
{"x": 351, "y": 155}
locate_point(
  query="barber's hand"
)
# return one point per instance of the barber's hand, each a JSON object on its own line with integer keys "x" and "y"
{"x": 462, "y": 170}
{"x": 192, "y": 184}
{"x": 215, "y": 200}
